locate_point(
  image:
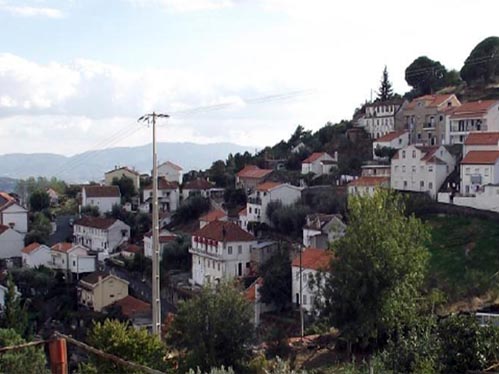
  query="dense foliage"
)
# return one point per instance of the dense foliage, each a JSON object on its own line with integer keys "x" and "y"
{"x": 29, "y": 360}
{"x": 482, "y": 65}
{"x": 276, "y": 273}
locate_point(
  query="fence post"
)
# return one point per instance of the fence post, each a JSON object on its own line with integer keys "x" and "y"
{"x": 58, "y": 356}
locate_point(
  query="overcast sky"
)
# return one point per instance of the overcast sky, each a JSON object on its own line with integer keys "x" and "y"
{"x": 75, "y": 74}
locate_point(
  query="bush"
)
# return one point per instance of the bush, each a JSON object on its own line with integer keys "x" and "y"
{"x": 191, "y": 209}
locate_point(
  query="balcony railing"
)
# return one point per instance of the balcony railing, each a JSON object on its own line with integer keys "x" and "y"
{"x": 255, "y": 200}
{"x": 205, "y": 253}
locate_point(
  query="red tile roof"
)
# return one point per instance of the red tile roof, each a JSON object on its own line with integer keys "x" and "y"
{"x": 62, "y": 247}
{"x": 172, "y": 165}
{"x": 95, "y": 222}
{"x": 131, "y": 306}
{"x": 391, "y": 136}
{"x": 163, "y": 237}
{"x": 253, "y": 171}
{"x": 267, "y": 186}
{"x": 473, "y": 109}
{"x": 429, "y": 152}
{"x": 30, "y": 248}
{"x": 314, "y": 157}
{"x": 126, "y": 168}
{"x": 481, "y": 157}
{"x": 243, "y": 212}
{"x": 198, "y": 184}
{"x": 94, "y": 277}
{"x": 214, "y": 215}
{"x": 6, "y": 200}
{"x": 224, "y": 231}
{"x": 250, "y": 293}
{"x": 132, "y": 248}
{"x": 163, "y": 184}
{"x": 102, "y": 191}
{"x": 430, "y": 100}
{"x": 314, "y": 259}
{"x": 367, "y": 181}
{"x": 482, "y": 138}
{"x": 3, "y": 228}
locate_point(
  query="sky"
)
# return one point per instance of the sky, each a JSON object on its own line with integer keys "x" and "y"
{"x": 76, "y": 74}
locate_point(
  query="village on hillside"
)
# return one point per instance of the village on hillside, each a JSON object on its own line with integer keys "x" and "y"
{"x": 272, "y": 225}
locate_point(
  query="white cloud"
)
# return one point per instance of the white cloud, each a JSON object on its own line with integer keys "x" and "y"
{"x": 30, "y": 11}
{"x": 183, "y": 6}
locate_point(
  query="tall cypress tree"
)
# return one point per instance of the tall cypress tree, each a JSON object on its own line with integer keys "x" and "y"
{"x": 385, "y": 91}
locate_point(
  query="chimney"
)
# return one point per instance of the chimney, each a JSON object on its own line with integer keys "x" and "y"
{"x": 12, "y": 225}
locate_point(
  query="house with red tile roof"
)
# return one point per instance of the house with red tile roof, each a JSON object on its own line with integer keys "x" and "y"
{"x": 481, "y": 141}
{"x": 220, "y": 251}
{"x": 473, "y": 116}
{"x": 367, "y": 185}
{"x": 394, "y": 140}
{"x": 103, "y": 235}
{"x": 307, "y": 265}
{"x": 196, "y": 187}
{"x": 478, "y": 169}
{"x": 253, "y": 297}
{"x": 212, "y": 215}
{"x": 380, "y": 117}
{"x": 321, "y": 229}
{"x": 35, "y": 255}
{"x": 267, "y": 192}
{"x": 250, "y": 176}
{"x": 120, "y": 172}
{"x": 102, "y": 197}
{"x": 11, "y": 242}
{"x": 165, "y": 238}
{"x": 427, "y": 118}
{"x": 168, "y": 196}
{"x": 421, "y": 169}
{"x": 319, "y": 163}
{"x": 171, "y": 172}
{"x": 98, "y": 290}
{"x": 12, "y": 213}
{"x": 133, "y": 308}
{"x": 71, "y": 258}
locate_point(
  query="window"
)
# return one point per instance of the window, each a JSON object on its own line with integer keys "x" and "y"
{"x": 430, "y": 168}
{"x": 414, "y": 154}
{"x": 239, "y": 249}
{"x": 467, "y": 171}
{"x": 304, "y": 299}
{"x": 441, "y": 118}
{"x": 421, "y": 184}
{"x": 218, "y": 266}
{"x": 486, "y": 172}
{"x": 430, "y": 185}
{"x": 403, "y": 168}
{"x": 229, "y": 249}
{"x": 396, "y": 168}
{"x": 249, "y": 209}
{"x": 413, "y": 168}
{"x": 405, "y": 184}
{"x": 403, "y": 154}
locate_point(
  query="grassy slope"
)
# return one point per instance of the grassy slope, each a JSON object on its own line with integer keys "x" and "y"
{"x": 465, "y": 255}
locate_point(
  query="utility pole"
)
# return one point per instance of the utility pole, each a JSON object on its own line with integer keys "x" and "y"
{"x": 301, "y": 295}
{"x": 156, "y": 292}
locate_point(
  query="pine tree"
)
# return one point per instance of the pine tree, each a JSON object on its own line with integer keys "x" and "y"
{"x": 385, "y": 91}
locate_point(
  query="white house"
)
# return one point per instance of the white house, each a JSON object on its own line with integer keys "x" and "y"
{"x": 100, "y": 234}
{"x": 35, "y": 255}
{"x": 394, "y": 140}
{"x": 13, "y": 214}
{"x": 196, "y": 187}
{"x": 165, "y": 237}
{"x": 168, "y": 196}
{"x": 267, "y": 192}
{"x": 243, "y": 218}
{"x": 379, "y": 117}
{"x": 322, "y": 229}
{"x": 319, "y": 163}
{"x": 479, "y": 116}
{"x": 120, "y": 172}
{"x": 479, "y": 168}
{"x": 102, "y": 197}
{"x": 311, "y": 262}
{"x": 481, "y": 141}
{"x": 220, "y": 251}
{"x": 171, "y": 172}
{"x": 253, "y": 297}
{"x": 72, "y": 258}
{"x": 421, "y": 169}
{"x": 376, "y": 170}
{"x": 213, "y": 215}
{"x": 367, "y": 185}
{"x": 11, "y": 242}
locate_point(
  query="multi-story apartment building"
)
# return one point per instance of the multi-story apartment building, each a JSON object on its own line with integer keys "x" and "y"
{"x": 168, "y": 196}
{"x": 421, "y": 169}
{"x": 13, "y": 214}
{"x": 102, "y": 197}
{"x": 473, "y": 116}
{"x": 124, "y": 171}
{"x": 380, "y": 117}
{"x": 427, "y": 117}
{"x": 100, "y": 234}
{"x": 220, "y": 251}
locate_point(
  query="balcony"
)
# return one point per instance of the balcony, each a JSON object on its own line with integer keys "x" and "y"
{"x": 429, "y": 126}
{"x": 255, "y": 200}
{"x": 205, "y": 253}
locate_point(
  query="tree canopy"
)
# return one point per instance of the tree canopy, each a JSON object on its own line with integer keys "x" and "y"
{"x": 482, "y": 65}
{"x": 127, "y": 188}
{"x": 378, "y": 271}
{"x": 426, "y": 75}
{"x": 276, "y": 273}
{"x": 29, "y": 360}
{"x": 213, "y": 328}
{"x": 385, "y": 91}
{"x": 39, "y": 200}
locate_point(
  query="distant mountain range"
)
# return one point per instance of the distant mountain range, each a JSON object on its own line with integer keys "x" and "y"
{"x": 7, "y": 184}
{"x": 91, "y": 166}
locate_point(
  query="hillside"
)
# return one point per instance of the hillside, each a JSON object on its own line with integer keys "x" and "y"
{"x": 7, "y": 184}
{"x": 92, "y": 165}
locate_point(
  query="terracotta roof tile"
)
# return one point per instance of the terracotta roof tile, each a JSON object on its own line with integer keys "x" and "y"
{"x": 429, "y": 100}
{"x": 314, "y": 157}
{"x": 96, "y": 222}
{"x": 94, "y": 277}
{"x": 3, "y": 228}
{"x": 172, "y": 165}
{"x": 314, "y": 259}
{"x": 131, "y": 306}
{"x": 482, "y": 138}
{"x": 126, "y": 168}
{"x": 30, "y": 248}
{"x": 163, "y": 184}
{"x": 102, "y": 191}
{"x": 267, "y": 186}
{"x": 250, "y": 293}
{"x": 198, "y": 184}
{"x": 481, "y": 157}
{"x": 473, "y": 109}
{"x": 253, "y": 171}
{"x": 62, "y": 247}
{"x": 390, "y": 136}
{"x": 366, "y": 181}
{"x": 243, "y": 212}
{"x": 224, "y": 231}
{"x": 214, "y": 215}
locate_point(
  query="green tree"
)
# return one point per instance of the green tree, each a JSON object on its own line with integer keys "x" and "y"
{"x": 385, "y": 92}
{"x": 127, "y": 188}
{"x": 213, "y": 328}
{"x": 385, "y": 152}
{"x": 39, "y": 201}
{"x": 276, "y": 273}
{"x": 191, "y": 209}
{"x": 425, "y": 75}
{"x": 27, "y": 361}
{"x": 176, "y": 254}
{"x": 482, "y": 65}
{"x": 124, "y": 341}
{"x": 14, "y": 315}
{"x": 90, "y": 210}
{"x": 40, "y": 230}
{"x": 378, "y": 271}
